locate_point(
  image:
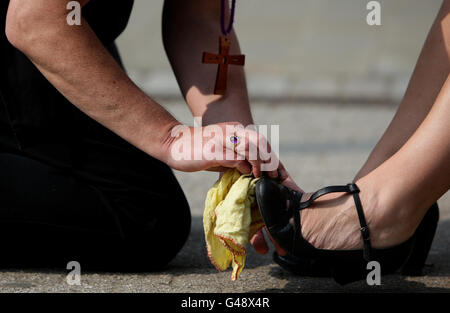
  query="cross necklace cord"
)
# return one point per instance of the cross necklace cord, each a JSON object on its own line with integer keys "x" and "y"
{"x": 223, "y": 59}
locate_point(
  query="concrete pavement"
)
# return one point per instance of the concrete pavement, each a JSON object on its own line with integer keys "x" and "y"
{"x": 320, "y": 145}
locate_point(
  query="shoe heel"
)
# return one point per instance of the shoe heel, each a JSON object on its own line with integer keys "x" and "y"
{"x": 424, "y": 238}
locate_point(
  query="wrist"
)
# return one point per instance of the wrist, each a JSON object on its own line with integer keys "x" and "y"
{"x": 169, "y": 135}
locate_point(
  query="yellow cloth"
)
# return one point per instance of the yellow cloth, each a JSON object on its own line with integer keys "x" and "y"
{"x": 230, "y": 220}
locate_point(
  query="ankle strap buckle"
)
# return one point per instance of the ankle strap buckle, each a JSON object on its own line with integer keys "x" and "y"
{"x": 367, "y": 249}
{"x": 352, "y": 188}
{"x": 365, "y": 233}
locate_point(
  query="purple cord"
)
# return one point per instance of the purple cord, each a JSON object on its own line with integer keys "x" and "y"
{"x": 227, "y": 31}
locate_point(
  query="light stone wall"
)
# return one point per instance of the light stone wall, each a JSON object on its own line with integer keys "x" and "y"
{"x": 300, "y": 48}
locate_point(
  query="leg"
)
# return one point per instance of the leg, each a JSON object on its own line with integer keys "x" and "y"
{"x": 428, "y": 77}
{"x": 49, "y": 217}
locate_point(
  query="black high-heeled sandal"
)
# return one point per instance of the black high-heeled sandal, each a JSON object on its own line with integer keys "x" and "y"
{"x": 414, "y": 265}
{"x": 278, "y": 204}
{"x": 424, "y": 238}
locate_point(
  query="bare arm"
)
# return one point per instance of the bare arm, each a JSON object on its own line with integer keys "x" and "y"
{"x": 74, "y": 60}
{"x": 190, "y": 28}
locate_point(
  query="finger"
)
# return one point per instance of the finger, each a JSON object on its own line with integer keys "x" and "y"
{"x": 247, "y": 149}
{"x": 254, "y": 164}
{"x": 289, "y": 182}
{"x": 250, "y": 148}
{"x": 217, "y": 169}
{"x": 282, "y": 172}
{"x": 275, "y": 174}
{"x": 280, "y": 250}
{"x": 256, "y": 170}
{"x": 243, "y": 167}
{"x": 306, "y": 196}
{"x": 259, "y": 242}
{"x": 269, "y": 160}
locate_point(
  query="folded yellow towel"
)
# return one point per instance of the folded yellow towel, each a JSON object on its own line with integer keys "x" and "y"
{"x": 230, "y": 220}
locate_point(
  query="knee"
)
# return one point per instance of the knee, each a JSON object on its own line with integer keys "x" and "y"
{"x": 176, "y": 225}
{"x": 165, "y": 239}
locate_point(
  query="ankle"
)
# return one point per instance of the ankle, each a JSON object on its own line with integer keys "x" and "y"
{"x": 390, "y": 219}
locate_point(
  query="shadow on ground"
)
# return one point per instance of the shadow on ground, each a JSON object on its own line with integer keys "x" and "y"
{"x": 436, "y": 272}
{"x": 191, "y": 271}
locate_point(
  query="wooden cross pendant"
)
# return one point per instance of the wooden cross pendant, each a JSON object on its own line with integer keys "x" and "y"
{"x": 223, "y": 59}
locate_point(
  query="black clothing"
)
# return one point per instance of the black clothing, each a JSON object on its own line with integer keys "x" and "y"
{"x": 70, "y": 189}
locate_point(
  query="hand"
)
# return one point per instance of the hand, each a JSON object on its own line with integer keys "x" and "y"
{"x": 260, "y": 245}
{"x": 209, "y": 148}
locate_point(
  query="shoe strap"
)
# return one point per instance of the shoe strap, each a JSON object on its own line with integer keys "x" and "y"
{"x": 354, "y": 190}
